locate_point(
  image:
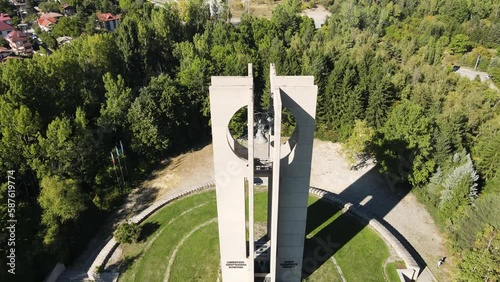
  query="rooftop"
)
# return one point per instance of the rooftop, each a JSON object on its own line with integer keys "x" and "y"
{"x": 4, "y": 17}
{"x": 4, "y": 26}
{"x": 51, "y": 15}
{"x": 46, "y": 21}
{"x": 16, "y": 35}
{"x": 107, "y": 17}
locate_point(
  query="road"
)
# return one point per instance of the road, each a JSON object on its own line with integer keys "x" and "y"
{"x": 471, "y": 74}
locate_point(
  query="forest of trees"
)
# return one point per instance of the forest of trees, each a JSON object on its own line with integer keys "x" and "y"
{"x": 383, "y": 90}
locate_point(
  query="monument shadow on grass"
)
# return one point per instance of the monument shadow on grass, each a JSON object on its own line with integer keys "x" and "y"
{"x": 329, "y": 239}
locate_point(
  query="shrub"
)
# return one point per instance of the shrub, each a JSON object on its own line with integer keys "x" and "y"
{"x": 127, "y": 233}
{"x": 460, "y": 44}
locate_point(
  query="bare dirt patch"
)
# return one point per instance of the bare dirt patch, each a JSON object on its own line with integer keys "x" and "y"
{"x": 183, "y": 172}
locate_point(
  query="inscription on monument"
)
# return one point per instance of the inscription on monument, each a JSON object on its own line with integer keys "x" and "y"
{"x": 235, "y": 264}
{"x": 288, "y": 264}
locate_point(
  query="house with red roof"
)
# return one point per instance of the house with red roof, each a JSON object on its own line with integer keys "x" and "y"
{"x": 108, "y": 21}
{"x": 47, "y": 21}
{"x": 5, "y": 18}
{"x": 19, "y": 43}
{"x": 5, "y": 28}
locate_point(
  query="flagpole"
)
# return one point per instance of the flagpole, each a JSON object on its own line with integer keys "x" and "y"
{"x": 124, "y": 160}
{"x": 119, "y": 164}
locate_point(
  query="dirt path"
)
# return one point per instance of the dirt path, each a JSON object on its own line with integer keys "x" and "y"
{"x": 183, "y": 172}
{"x": 318, "y": 14}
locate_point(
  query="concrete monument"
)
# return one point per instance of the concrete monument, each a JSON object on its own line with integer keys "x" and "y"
{"x": 286, "y": 166}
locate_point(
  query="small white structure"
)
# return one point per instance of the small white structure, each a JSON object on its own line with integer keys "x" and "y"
{"x": 63, "y": 40}
{"x": 277, "y": 256}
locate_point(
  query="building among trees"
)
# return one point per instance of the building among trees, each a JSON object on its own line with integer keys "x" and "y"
{"x": 108, "y": 21}
{"x": 19, "y": 43}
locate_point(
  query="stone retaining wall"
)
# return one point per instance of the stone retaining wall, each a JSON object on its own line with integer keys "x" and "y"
{"x": 110, "y": 247}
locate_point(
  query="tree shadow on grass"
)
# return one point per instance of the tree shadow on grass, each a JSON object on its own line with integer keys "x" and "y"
{"x": 147, "y": 229}
{"x": 127, "y": 263}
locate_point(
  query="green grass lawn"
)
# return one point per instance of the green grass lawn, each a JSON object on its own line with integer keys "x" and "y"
{"x": 360, "y": 252}
{"x": 391, "y": 270}
{"x": 363, "y": 257}
{"x": 202, "y": 244}
{"x": 148, "y": 260}
{"x": 326, "y": 273}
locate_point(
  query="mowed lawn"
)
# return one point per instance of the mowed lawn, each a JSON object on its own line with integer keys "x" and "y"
{"x": 360, "y": 252}
{"x": 198, "y": 257}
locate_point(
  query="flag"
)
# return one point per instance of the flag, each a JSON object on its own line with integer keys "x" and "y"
{"x": 121, "y": 145}
{"x": 112, "y": 158}
{"x": 117, "y": 153}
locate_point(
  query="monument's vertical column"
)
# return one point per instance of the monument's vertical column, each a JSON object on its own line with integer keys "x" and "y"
{"x": 227, "y": 96}
{"x": 275, "y": 153}
{"x": 250, "y": 182}
{"x": 288, "y": 175}
{"x": 298, "y": 95}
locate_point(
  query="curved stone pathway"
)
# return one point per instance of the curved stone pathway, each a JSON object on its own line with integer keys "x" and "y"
{"x": 368, "y": 189}
{"x": 174, "y": 253}
{"x": 395, "y": 239}
{"x": 105, "y": 252}
{"x": 390, "y": 235}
